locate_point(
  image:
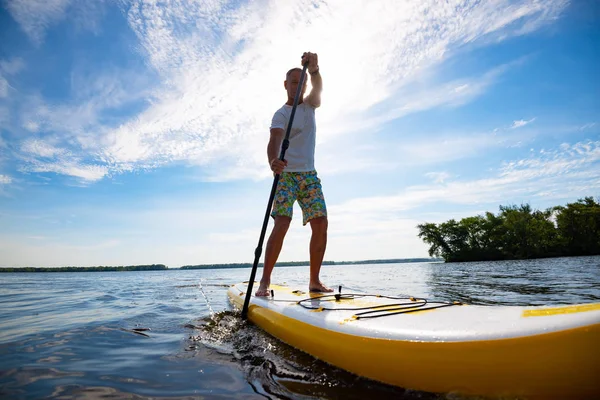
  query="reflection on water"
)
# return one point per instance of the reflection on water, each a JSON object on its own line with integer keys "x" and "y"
{"x": 173, "y": 334}
{"x": 566, "y": 280}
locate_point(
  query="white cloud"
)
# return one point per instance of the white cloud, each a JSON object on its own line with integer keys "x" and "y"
{"x": 572, "y": 162}
{"x": 408, "y": 100}
{"x": 427, "y": 149}
{"x": 438, "y": 177}
{"x": 5, "y": 179}
{"x": 553, "y": 174}
{"x": 520, "y": 123}
{"x": 44, "y": 155}
{"x": 219, "y": 101}
{"x": 35, "y": 16}
{"x": 31, "y": 126}
{"x": 72, "y": 133}
{"x": 88, "y": 15}
{"x": 40, "y": 148}
{"x": 93, "y": 98}
{"x": 587, "y": 126}
{"x": 86, "y": 173}
{"x": 221, "y": 69}
{"x": 3, "y": 87}
{"x": 64, "y": 122}
{"x": 8, "y": 67}
{"x": 13, "y": 66}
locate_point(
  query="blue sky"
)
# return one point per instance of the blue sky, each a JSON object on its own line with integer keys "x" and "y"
{"x": 133, "y": 132}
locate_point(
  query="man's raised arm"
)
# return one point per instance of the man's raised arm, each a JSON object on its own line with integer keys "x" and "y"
{"x": 314, "y": 97}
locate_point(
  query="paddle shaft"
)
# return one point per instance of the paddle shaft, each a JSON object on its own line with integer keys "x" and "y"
{"x": 284, "y": 147}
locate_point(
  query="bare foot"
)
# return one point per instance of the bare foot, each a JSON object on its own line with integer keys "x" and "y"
{"x": 319, "y": 288}
{"x": 263, "y": 289}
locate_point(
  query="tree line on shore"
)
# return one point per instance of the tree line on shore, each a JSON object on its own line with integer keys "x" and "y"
{"x": 158, "y": 267}
{"x": 518, "y": 232}
{"x": 152, "y": 267}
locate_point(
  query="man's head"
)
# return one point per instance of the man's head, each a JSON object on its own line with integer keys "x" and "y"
{"x": 292, "y": 79}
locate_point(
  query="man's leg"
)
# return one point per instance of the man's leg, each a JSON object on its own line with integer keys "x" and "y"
{"x": 282, "y": 212}
{"x": 318, "y": 243}
{"x": 314, "y": 211}
{"x": 274, "y": 245}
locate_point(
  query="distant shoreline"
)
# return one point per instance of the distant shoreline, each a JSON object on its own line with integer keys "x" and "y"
{"x": 162, "y": 267}
{"x": 306, "y": 263}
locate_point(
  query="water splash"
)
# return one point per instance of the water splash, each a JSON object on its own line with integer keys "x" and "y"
{"x": 205, "y": 297}
{"x": 275, "y": 369}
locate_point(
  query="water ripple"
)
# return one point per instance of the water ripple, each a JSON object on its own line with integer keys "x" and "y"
{"x": 172, "y": 334}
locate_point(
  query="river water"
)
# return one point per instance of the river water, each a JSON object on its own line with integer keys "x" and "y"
{"x": 173, "y": 334}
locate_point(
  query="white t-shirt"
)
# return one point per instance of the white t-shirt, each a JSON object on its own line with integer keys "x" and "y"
{"x": 301, "y": 153}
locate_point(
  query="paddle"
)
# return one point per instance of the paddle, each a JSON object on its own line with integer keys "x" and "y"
{"x": 284, "y": 147}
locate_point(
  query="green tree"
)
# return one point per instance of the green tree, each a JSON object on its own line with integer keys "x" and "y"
{"x": 431, "y": 234}
{"x": 579, "y": 227}
{"x": 518, "y": 232}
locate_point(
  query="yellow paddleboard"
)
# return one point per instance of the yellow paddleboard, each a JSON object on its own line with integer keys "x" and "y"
{"x": 525, "y": 352}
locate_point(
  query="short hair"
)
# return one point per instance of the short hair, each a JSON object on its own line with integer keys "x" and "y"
{"x": 287, "y": 76}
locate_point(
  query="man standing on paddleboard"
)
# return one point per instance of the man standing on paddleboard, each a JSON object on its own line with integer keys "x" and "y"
{"x": 298, "y": 176}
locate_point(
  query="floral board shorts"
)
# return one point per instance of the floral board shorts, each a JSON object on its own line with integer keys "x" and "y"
{"x": 304, "y": 187}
